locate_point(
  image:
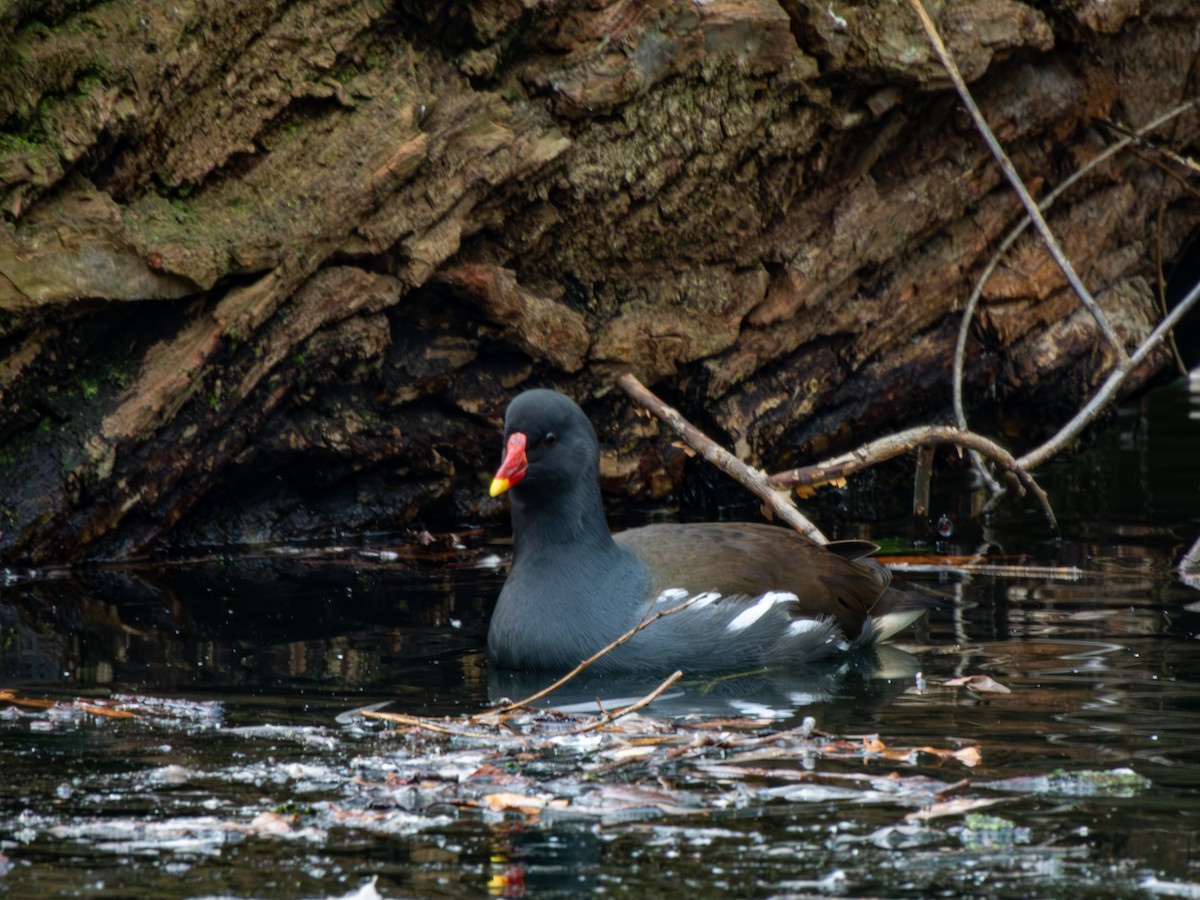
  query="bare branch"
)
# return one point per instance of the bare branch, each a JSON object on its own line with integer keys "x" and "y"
{"x": 904, "y": 442}
{"x": 750, "y": 478}
{"x": 964, "y": 329}
{"x": 1014, "y": 179}
{"x": 1170, "y": 155}
{"x": 610, "y": 717}
{"x": 1108, "y": 390}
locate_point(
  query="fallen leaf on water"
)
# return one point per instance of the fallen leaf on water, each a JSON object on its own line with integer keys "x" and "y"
{"x": 895, "y": 837}
{"x": 875, "y": 745}
{"x": 956, "y": 807}
{"x": 26, "y": 701}
{"x": 626, "y": 753}
{"x": 271, "y": 823}
{"x": 503, "y": 801}
{"x": 968, "y": 756}
{"x": 983, "y": 684}
{"x": 111, "y": 712}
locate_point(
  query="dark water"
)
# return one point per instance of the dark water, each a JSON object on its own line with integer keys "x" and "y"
{"x": 241, "y": 773}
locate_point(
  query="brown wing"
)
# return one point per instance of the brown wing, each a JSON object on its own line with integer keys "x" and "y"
{"x": 751, "y": 559}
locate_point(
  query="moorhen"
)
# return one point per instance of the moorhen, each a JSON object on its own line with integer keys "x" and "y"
{"x": 767, "y": 595}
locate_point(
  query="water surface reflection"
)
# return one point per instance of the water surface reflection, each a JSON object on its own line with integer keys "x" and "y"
{"x": 241, "y": 773}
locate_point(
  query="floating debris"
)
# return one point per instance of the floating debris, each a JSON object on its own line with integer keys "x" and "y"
{"x": 1088, "y": 783}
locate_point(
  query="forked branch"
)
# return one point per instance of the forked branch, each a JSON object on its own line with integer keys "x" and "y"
{"x": 906, "y": 441}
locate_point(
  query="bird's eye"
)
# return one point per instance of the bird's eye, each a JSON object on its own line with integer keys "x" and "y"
{"x": 550, "y": 439}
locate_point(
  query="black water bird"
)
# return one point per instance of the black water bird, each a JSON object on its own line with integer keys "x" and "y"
{"x": 764, "y": 595}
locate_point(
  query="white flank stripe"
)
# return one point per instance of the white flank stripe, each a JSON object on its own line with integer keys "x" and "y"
{"x": 703, "y": 600}
{"x": 781, "y": 596}
{"x": 671, "y": 595}
{"x": 748, "y": 617}
{"x": 804, "y": 626}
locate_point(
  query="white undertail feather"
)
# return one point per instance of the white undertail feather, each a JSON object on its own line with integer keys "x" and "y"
{"x": 893, "y": 623}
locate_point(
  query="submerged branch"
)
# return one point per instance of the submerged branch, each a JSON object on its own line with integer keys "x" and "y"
{"x": 752, "y": 479}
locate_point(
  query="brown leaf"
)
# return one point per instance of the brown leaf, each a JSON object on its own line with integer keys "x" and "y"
{"x": 270, "y": 823}
{"x": 502, "y": 801}
{"x": 875, "y": 745}
{"x": 956, "y": 807}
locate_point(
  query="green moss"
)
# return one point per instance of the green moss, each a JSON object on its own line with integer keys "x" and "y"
{"x": 15, "y": 143}
{"x": 88, "y": 83}
{"x": 182, "y": 210}
{"x": 116, "y": 376}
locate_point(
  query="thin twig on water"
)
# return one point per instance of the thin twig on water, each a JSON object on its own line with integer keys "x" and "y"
{"x": 611, "y": 717}
{"x": 992, "y": 570}
{"x": 441, "y": 726}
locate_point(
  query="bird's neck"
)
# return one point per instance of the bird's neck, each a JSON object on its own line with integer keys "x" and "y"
{"x": 561, "y": 522}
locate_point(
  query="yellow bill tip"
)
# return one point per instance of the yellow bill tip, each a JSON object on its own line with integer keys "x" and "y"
{"x": 499, "y": 486}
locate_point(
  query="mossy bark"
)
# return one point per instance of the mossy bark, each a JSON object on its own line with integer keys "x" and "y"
{"x": 274, "y": 270}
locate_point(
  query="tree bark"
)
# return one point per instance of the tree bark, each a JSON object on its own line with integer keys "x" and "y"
{"x": 274, "y": 270}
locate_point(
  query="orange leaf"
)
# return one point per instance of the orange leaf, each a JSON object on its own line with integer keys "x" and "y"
{"x": 503, "y": 800}
{"x": 109, "y": 711}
